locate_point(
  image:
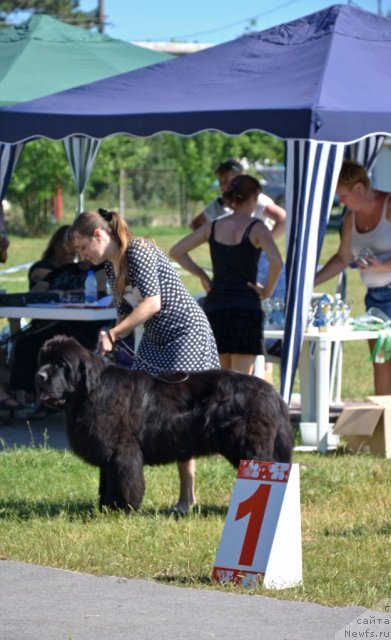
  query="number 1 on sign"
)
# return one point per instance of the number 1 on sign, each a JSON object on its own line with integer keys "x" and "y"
{"x": 255, "y": 505}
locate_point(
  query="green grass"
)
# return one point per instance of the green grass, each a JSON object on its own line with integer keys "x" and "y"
{"x": 48, "y": 516}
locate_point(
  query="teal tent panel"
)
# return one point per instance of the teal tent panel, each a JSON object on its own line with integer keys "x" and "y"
{"x": 44, "y": 56}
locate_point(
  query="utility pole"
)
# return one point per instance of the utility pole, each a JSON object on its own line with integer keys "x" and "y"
{"x": 379, "y": 9}
{"x": 101, "y": 16}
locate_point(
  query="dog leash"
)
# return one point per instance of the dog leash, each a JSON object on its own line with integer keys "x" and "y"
{"x": 121, "y": 345}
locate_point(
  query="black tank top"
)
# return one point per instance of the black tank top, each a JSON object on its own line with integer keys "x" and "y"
{"x": 233, "y": 267}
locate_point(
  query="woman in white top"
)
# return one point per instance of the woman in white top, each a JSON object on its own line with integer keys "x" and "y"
{"x": 266, "y": 209}
{"x": 365, "y": 242}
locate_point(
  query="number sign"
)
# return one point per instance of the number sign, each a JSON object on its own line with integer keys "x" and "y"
{"x": 262, "y": 532}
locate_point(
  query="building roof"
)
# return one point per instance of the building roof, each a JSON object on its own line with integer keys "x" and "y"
{"x": 174, "y": 48}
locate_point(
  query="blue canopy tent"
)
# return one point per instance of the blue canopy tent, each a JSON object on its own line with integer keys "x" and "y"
{"x": 319, "y": 82}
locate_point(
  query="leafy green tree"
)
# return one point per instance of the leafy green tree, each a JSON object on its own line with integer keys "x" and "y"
{"x": 41, "y": 168}
{"x": 159, "y": 168}
{"x": 197, "y": 157}
{"x": 65, "y": 10}
{"x": 141, "y": 160}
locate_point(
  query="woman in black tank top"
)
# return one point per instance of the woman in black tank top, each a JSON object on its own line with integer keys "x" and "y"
{"x": 233, "y": 300}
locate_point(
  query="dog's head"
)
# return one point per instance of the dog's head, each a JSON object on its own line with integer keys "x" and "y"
{"x": 65, "y": 368}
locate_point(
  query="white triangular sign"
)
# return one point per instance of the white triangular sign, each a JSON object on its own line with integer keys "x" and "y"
{"x": 262, "y": 532}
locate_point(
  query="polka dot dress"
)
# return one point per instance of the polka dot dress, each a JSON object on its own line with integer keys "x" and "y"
{"x": 178, "y": 337}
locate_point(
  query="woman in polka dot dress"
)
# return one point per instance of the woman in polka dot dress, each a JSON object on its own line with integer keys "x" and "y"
{"x": 148, "y": 291}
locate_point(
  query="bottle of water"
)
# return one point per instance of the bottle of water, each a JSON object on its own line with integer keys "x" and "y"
{"x": 90, "y": 287}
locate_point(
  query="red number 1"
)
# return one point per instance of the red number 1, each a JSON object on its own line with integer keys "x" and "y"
{"x": 255, "y": 505}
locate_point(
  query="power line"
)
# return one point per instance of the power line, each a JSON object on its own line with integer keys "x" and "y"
{"x": 237, "y": 23}
{"x": 228, "y": 26}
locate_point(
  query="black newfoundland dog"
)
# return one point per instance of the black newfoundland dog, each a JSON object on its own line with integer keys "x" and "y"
{"x": 119, "y": 420}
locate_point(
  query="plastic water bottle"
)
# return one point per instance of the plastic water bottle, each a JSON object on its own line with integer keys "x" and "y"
{"x": 90, "y": 287}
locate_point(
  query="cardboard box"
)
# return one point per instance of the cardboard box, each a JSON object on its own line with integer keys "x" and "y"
{"x": 367, "y": 426}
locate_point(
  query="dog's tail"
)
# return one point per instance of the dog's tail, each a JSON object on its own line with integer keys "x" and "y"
{"x": 283, "y": 444}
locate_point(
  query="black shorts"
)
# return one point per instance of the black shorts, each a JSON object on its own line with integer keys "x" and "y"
{"x": 238, "y": 331}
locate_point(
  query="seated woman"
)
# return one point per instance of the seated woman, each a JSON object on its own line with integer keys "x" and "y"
{"x": 55, "y": 255}
{"x": 67, "y": 279}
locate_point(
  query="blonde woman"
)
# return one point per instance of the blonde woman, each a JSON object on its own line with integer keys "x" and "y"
{"x": 365, "y": 242}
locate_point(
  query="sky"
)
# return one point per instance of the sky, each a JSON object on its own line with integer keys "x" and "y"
{"x": 207, "y": 21}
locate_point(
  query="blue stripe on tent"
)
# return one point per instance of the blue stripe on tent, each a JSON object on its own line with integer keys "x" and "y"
{"x": 81, "y": 153}
{"x": 365, "y": 151}
{"x": 325, "y": 204}
{"x": 312, "y": 172}
{"x": 9, "y": 156}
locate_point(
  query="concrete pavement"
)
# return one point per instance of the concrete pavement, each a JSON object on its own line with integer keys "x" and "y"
{"x": 39, "y": 603}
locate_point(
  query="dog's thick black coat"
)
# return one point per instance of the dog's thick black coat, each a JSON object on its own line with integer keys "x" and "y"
{"x": 120, "y": 420}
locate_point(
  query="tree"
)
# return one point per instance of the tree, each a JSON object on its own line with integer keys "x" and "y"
{"x": 167, "y": 170}
{"x": 143, "y": 162}
{"x": 41, "y": 168}
{"x": 196, "y": 158}
{"x": 65, "y": 10}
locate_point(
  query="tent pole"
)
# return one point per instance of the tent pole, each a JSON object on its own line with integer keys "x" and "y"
{"x": 80, "y": 203}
